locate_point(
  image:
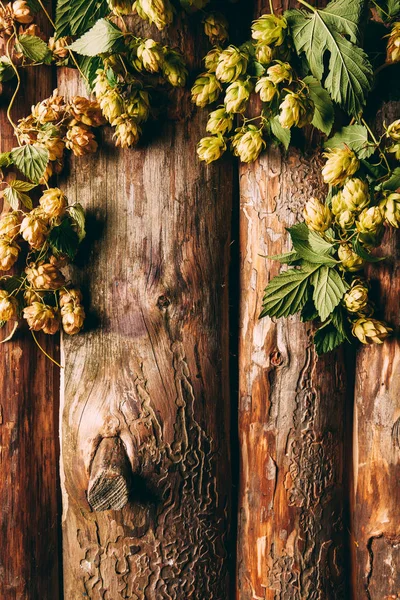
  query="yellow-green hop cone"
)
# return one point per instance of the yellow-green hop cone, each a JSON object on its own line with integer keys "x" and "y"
{"x": 337, "y": 204}
{"x": 395, "y": 149}
{"x": 345, "y": 219}
{"x": 232, "y": 64}
{"x": 350, "y": 261}
{"x": 248, "y": 143}
{"x": 341, "y": 164}
{"x": 206, "y": 89}
{"x": 219, "y": 121}
{"x": 158, "y": 12}
{"x": 371, "y": 331}
{"x": 216, "y": 28}
{"x": 393, "y": 47}
{"x": 370, "y": 220}
{"x": 211, "y": 59}
{"x": 237, "y": 96}
{"x": 297, "y": 110}
{"x": 355, "y": 194}
{"x": 280, "y": 72}
{"x": 53, "y": 202}
{"x": 317, "y": 215}
{"x": 211, "y": 148}
{"x": 266, "y": 89}
{"x": 150, "y": 55}
{"x": 390, "y": 207}
{"x": 9, "y": 224}
{"x": 264, "y": 53}
{"x": 112, "y": 105}
{"x": 270, "y": 29}
{"x": 174, "y": 68}
{"x": 393, "y": 131}
{"x": 101, "y": 84}
{"x": 137, "y": 106}
{"x": 127, "y": 132}
{"x": 120, "y": 7}
{"x": 356, "y": 299}
{"x": 8, "y": 306}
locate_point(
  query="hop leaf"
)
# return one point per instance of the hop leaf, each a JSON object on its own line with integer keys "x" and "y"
{"x": 74, "y": 17}
{"x": 31, "y": 160}
{"x": 101, "y": 38}
{"x": 353, "y": 136}
{"x": 329, "y": 289}
{"x": 64, "y": 239}
{"x": 34, "y": 48}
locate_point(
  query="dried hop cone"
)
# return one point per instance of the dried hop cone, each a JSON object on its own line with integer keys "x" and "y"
{"x": 50, "y": 138}
{"x": 9, "y": 251}
{"x": 86, "y": 111}
{"x": 8, "y": 306}
{"x": 390, "y": 207}
{"x": 45, "y": 277}
{"x": 80, "y": 140}
{"x": 206, "y": 89}
{"x": 393, "y": 47}
{"x": 355, "y": 195}
{"x": 42, "y": 317}
{"x": 317, "y": 215}
{"x": 280, "y": 72}
{"x": 216, "y": 28}
{"x": 232, "y": 64}
{"x": 120, "y": 7}
{"x": 371, "y": 331}
{"x": 237, "y": 96}
{"x": 341, "y": 164}
{"x": 270, "y": 29}
{"x": 31, "y": 296}
{"x": 151, "y": 55}
{"x": 219, "y": 121}
{"x": 59, "y": 47}
{"x": 393, "y": 131}
{"x": 350, "y": 261}
{"x": 34, "y": 229}
{"x": 21, "y": 12}
{"x": 248, "y": 143}
{"x": 211, "y": 59}
{"x": 9, "y": 224}
{"x": 211, "y": 148}
{"x": 356, "y": 299}
{"x": 72, "y": 316}
{"x": 50, "y": 110}
{"x": 70, "y": 296}
{"x": 297, "y": 110}
{"x": 159, "y": 12}
{"x": 6, "y": 19}
{"x": 53, "y": 202}
{"x": 174, "y": 68}
{"x": 127, "y": 132}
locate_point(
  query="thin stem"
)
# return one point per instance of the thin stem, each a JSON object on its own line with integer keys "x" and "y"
{"x": 271, "y": 7}
{"x": 17, "y": 86}
{"x": 44, "y": 351}
{"x": 307, "y": 5}
{"x": 383, "y": 156}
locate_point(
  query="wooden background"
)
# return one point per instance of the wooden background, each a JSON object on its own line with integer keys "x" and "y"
{"x": 310, "y": 499}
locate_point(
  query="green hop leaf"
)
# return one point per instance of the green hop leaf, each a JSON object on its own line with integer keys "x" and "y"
{"x": 14, "y": 197}
{"x": 64, "y": 239}
{"x": 77, "y": 215}
{"x": 103, "y": 37}
{"x": 324, "y": 113}
{"x": 31, "y": 160}
{"x": 329, "y": 289}
{"x": 34, "y": 48}
{"x": 74, "y": 17}
{"x": 393, "y": 183}
{"x": 310, "y": 246}
{"x": 282, "y": 135}
{"x": 328, "y": 338}
{"x": 355, "y": 137}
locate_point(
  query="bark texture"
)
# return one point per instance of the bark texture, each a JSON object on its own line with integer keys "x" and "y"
{"x": 152, "y": 374}
{"x": 291, "y": 406}
{"x": 29, "y": 388}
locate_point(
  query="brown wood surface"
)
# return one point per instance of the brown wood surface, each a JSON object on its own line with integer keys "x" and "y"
{"x": 292, "y": 405}
{"x": 29, "y": 388}
{"x": 376, "y": 442}
{"x": 151, "y": 368}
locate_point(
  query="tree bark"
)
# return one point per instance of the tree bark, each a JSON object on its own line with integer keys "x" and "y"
{"x": 291, "y": 540}
{"x": 147, "y": 385}
{"x": 376, "y": 442}
{"x": 29, "y": 389}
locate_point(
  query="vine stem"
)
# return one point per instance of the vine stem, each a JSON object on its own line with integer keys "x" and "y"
{"x": 364, "y": 122}
{"x": 44, "y": 351}
{"x": 11, "y": 103}
{"x": 271, "y": 7}
{"x": 307, "y": 5}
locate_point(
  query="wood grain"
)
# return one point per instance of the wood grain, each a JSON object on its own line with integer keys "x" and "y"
{"x": 151, "y": 368}
{"x": 29, "y": 388}
{"x": 291, "y": 539}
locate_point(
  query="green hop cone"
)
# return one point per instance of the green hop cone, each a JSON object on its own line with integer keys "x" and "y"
{"x": 101, "y": 84}
{"x": 120, "y": 7}
{"x": 270, "y": 29}
{"x": 6, "y": 70}
{"x": 211, "y": 59}
{"x": 395, "y": 149}
{"x": 371, "y": 331}
{"x": 219, "y": 121}
{"x": 337, "y": 204}
{"x": 393, "y": 131}
{"x": 264, "y": 53}
{"x": 350, "y": 261}
{"x": 159, "y": 12}
{"x": 237, "y": 96}
{"x": 174, "y": 68}
{"x": 112, "y": 105}
{"x": 216, "y": 28}
{"x": 137, "y": 106}
{"x": 232, "y": 64}
{"x": 280, "y": 72}
{"x": 247, "y": 143}
{"x": 341, "y": 164}
{"x": 355, "y": 194}
{"x": 370, "y": 221}
{"x": 206, "y": 89}
{"x": 345, "y": 219}
{"x": 151, "y": 55}
{"x": 393, "y": 47}
{"x": 356, "y": 299}
{"x": 317, "y": 215}
{"x": 297, "y": 110}
{"x": 211, "y": 148}
{"x": 127, "y": 132}
{"x": 266, "y": 89}
{"x": 390, "y": 208}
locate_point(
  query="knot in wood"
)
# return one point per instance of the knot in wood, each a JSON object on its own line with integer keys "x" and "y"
{"x": 276, "y": 358}
{"x": 163, "y": 301}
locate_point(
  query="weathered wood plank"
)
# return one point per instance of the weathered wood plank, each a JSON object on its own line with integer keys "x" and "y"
{"x": 153, "y": 371}
{"x": 29, "y": 388}
{"x": 291, "y": 406}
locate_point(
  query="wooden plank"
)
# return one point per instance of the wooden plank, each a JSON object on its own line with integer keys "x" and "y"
{"x": 376, "y": 442}
{"x": 291, "y": 405}
{"x": 29, "y": 389}
{"x": 150, "y": 375}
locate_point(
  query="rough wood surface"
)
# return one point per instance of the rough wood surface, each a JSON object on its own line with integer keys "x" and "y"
{"x": 152, "y": 371}
{"x": 291, "y": 407}
{"x": 376, "y": 443}
{"x": 29, "y": 388}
